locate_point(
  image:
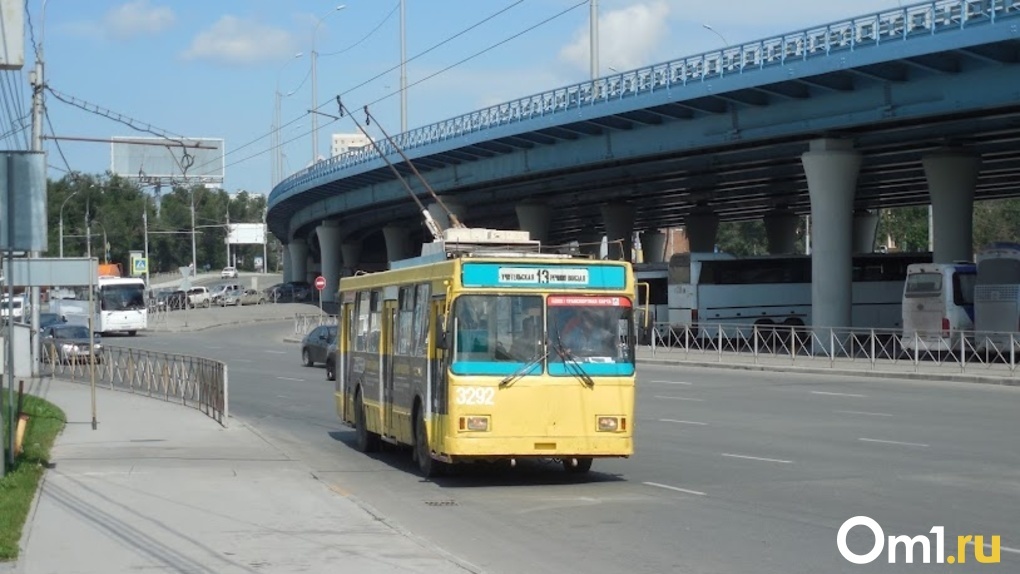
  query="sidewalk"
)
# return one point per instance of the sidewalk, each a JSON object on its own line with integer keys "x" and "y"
{"x": 161, "y": 487}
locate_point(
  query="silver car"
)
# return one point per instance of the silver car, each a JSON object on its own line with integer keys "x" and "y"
{"x": 238, "y": 297}
{"x": 66, "y": 343}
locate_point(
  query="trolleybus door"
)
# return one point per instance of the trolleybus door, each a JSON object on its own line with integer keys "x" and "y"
{"x": 388, "y": 348}
{"x": 435, "y": 399}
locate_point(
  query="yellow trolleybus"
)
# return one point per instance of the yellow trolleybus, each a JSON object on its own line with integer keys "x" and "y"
{"x": 486, "y": 352}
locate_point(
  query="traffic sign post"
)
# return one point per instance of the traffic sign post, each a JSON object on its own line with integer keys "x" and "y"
{"x": 320, "y": 284}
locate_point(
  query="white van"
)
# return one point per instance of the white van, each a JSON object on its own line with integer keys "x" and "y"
{"x": 18, "y": 309}
{"x": 938, "y": 305}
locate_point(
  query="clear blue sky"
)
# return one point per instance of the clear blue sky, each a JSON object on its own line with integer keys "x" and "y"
{"x": 209, "y": 68}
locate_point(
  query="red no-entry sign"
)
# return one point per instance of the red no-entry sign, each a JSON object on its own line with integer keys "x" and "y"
{"x": 320, "y": 282}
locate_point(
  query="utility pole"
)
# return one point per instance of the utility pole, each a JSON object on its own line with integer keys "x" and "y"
{"x": 145, "y": 224}
{"x": 594, "y": 33}
{"x": 403, "y": 71}
{"x": 38, "y": 81}
{"x": 227, "y": 239}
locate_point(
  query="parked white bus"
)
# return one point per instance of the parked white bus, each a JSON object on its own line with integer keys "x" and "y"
{"x": 997, "y": 297}
{"x": 938, "y": 306}
{"x": 656, "y": 276}
{"x": 712, "y": 289}
{"x": 119, "y": 306}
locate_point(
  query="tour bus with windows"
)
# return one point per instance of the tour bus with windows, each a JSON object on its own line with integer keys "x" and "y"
{"x": 938, "y": 306}
{"x": 468, "y": 353}
{"x": 652, "y": 293}
{"x": 709, "y": 292}
{"x": 997, "y": 298}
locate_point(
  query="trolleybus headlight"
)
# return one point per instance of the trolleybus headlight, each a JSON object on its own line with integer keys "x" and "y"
{"x": 609, "y": 424}
{"x": 476, "y": 423}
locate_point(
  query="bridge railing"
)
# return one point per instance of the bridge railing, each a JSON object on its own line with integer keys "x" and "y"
{"x": 893, "y": 25}
{"x": 193, "y": 381}
{"x": 971, "y": 352}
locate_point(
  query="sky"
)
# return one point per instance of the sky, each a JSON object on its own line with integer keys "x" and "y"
{"x": 212, "y": 69}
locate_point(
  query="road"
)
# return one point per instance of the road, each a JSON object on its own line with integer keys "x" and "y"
{"x": 735, "y": 471}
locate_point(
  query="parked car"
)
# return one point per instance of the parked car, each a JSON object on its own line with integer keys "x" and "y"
{"x": 316, "y": 344}
{"x": 228, "y": 273}
{"x": 238, "y": 297}
{"x": 199, "y": 296}
{"x": 67, "y": 343}
{"x": 217, "y": 291}
{"x": 47, "y": 319}
{"x": 288, "y": 292}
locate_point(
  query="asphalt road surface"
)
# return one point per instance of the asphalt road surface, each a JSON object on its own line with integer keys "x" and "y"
{"x": 735, "y": 471}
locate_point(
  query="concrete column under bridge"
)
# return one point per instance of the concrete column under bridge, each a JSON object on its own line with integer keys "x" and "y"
{"x": 952, "y": 176}
{"x": 536, "y": 219}
{"x": 865, "y": 228}
{"x": 653, "y": 246}
{"x": 398, "y": 242}
{"x": 619, "y": 221}
{"x": 330, "y": 248}
{"x": 286, "y": 262}
{"x": 831, "y": 167}
{"x": 298, "y": 250}
{"x": 351, "y": 251}
{"x": 781, "y": 231}
{"x": 701, "y": 226}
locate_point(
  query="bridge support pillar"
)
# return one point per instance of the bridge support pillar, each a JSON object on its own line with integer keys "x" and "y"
{"x": 619, "y": 220}
{"x": 781, "y": 231}
{"x": 329, "y": 246}
{"x": 701, "y": 227}
{"x": 398, "y": 244}
{"x": 286, "y": 262}
{"x": 865, "y": 229}
{"x": 350, "y": 249}
{"x": 438, "y": 214}
{"x": 952, "y": 176}
{"x": 831, "y": 167}
{"x": 298, "y": 250}
{"x": 535, "y": 218}
{"x": 653, "y": 246}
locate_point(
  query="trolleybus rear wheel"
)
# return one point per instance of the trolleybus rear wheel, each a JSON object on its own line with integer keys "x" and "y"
{"x": 583, "y": 465}
{"x": 367, "y": 441}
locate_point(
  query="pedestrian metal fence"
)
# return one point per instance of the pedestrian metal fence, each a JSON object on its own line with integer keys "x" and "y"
{"x": 192, "y": 381}
{"x": 305, "y": 322}
{"x": 977, "y": 353}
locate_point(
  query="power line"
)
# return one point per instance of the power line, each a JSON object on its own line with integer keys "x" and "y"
{"x": 366, "y": 36}
{"x": 57, "y": 142}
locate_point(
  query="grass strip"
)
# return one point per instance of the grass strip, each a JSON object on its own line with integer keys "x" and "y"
{"x": 18, "y": 486}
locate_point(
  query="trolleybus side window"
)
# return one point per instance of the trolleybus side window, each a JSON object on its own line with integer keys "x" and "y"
{"x": 362, "y": 330}
{"x": 421, "y": 319}
{"x": 374, "y": 321}
{"x": 405, "y": 321}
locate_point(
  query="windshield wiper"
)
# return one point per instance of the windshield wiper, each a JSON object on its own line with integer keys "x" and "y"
{"x": 521, "y": 372}
{"x": 572, "y": 364}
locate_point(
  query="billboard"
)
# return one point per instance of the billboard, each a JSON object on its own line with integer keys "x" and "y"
{"x": 246, "y": 233}
{"x": 161, "y": 160}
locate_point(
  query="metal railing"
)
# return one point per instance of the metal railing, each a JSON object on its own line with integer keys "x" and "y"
{"x": 979, "y": 353}
{"x": 894, "y": 25}
{"x": 193, "y": 381}
{"x": 305, "y": 322}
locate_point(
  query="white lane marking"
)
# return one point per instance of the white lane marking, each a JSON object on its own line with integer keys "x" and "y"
{"x": 679, "y": 398}
{"x": 865, "y": 413}
{"x": 893, "y": 442}
{"x": 290, "y": 379}
{"x": 989, "y": 546}
{"x": 277, "y": 352}
{"x": 677, "y": 489}
{"x": 672, "y": 383}
{"x": 838, "y": 394}
{"x": 242, "y": 360}
{"x": 213, "y": 347}
{"x": 757, "y": 458}
{"x": 682, "y": 422}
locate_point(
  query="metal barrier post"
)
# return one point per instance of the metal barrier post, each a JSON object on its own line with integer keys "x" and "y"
{"x": 1012, "y": 354}
{"x": 793, "y": 343}
{"x": 226, "y": 396}
{"x": 832, "y": 347}
{"x": 719, "y": 347}
{"x": 872, "y": 349}
{"x": 754, "y": 331}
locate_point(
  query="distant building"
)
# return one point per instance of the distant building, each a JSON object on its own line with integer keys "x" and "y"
{"x": 343, "y": 143}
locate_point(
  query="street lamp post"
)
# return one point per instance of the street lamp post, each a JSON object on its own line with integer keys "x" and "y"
{"x": 315, "y": 86}
{"x": 106, "y": 243}
{"x": 277, "y": 120}
{"x": 594, "y": 38}
{"x": 716, "y": 32}
{"x": 62, "y": 222}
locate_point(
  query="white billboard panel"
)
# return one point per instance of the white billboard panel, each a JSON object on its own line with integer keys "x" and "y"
{"x": 246, "y": 233}
{"x": 154, "y": 160}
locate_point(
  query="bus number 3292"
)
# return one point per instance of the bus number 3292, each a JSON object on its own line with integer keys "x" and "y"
{"x": 476, "y": 395}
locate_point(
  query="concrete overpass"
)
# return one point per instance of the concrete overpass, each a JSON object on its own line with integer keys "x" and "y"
{"x": 902, "y": 107}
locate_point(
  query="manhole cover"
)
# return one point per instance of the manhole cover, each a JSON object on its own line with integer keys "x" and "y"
{"x": 440, "y": 503}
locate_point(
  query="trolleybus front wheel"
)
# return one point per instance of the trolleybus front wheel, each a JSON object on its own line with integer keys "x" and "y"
{"x": 578, "y": 465}
{"x": 428, "y": 466}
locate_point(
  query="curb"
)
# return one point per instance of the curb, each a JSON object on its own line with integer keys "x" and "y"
{"x": 219, "y": 325}
{"x": 874, "y": 374}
